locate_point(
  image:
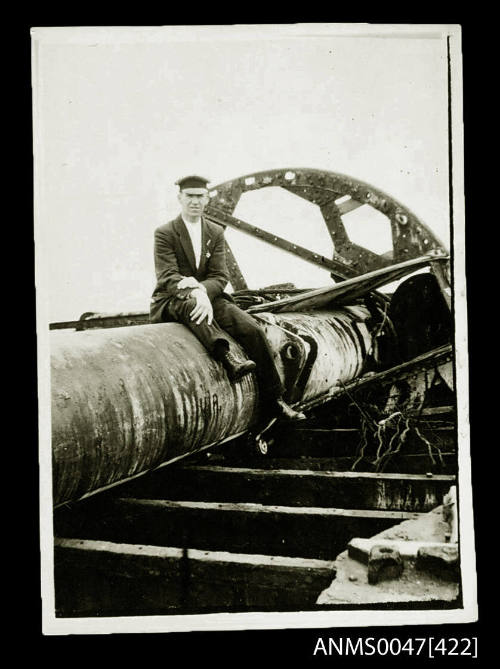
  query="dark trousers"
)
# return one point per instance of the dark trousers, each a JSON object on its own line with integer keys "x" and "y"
{"x": 228, "y": 317}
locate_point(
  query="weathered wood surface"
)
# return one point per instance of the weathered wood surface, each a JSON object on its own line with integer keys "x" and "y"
{"x": 297, "y": 487}
{"x": 310, "y": 532}
{"x": 106, "y": 578}
{"x": 418, "y": 463}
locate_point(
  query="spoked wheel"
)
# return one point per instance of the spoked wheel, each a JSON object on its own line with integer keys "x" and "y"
{"x": 336, "y": 195}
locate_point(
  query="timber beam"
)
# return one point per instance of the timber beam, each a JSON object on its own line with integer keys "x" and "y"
{"x": 300, "y": 487}
{"x": 106, "y": 579}
{"x": 309, "y": 532}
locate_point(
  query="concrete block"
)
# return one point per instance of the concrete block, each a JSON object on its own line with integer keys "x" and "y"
{"x": 440, "y": 561}
{"x": 384, "y": 563}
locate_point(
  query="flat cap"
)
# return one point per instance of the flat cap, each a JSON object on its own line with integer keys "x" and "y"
{"x": 192, "y": 181}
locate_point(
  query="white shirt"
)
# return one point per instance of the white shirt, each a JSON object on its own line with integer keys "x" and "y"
{"x": 194, "y": 230}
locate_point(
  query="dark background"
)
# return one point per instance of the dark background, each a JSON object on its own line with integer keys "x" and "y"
{"x": 230, "y": 648}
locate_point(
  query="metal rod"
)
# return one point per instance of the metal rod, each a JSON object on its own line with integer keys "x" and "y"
{"x": 339, "y": 269}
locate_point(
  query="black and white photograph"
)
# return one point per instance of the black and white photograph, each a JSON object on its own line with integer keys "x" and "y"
{"x": 251, "y": 323}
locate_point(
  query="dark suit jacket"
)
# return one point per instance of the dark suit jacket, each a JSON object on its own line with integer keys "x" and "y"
{"x": 174, "y": 259}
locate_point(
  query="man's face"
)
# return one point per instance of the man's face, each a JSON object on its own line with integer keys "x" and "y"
{"x": 193, "y": 202}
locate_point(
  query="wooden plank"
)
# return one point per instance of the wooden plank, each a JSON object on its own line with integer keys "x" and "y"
{"x": 418, "y": 463}
{"x": 294, "y": 487}
{"x": 239, "y": 528}
{"x": 106, "y": 578}
{"x": 266, "y": 509}
{"x": 160, "y": 557}
{"x": 432, "y": 411}
{"x": 297, "y": 442}
{"x": 320, "y": 475}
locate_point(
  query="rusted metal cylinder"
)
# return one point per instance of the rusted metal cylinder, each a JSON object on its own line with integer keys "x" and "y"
{"x": 126, "y": 400}
{"x": 337, "y": 344}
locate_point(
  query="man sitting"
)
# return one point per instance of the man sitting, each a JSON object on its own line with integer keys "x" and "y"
{"x": 190, "y": 264}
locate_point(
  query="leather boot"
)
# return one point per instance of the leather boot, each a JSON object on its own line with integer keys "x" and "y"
{"x": 236, "y": 368}
{"x": 285, "y": 411}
